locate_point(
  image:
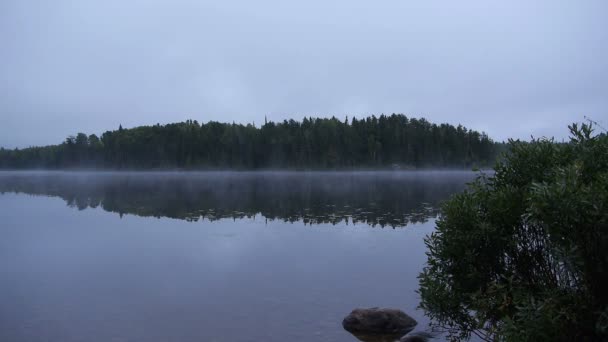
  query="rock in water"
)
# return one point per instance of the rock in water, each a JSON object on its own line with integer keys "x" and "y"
{"x": 420, "y": 336}
{"x": 378, "y": 321}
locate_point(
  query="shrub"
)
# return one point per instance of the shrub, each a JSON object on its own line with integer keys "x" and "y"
{"x": 522, "y": 254}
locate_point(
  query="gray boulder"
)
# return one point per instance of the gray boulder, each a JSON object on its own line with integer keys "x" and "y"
{"x": 378, "y": 322}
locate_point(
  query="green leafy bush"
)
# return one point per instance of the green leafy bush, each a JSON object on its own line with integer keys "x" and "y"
{"x": 522, "y": 255}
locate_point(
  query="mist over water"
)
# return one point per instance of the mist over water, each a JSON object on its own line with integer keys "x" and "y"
{"x": 238, "y": 256}
{"x": 376, "y": 198}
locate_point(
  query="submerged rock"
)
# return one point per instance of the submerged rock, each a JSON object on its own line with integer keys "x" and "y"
{"x": 375, "y": 324}
{"x": 377, "y": 338}
{"x": 417, "y": 337}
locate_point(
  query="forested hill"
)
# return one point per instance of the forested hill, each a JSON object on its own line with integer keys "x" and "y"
{"x": 314, "y": 143}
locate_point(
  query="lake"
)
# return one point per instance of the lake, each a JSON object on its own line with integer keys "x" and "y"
{"x": 210, "y": 256}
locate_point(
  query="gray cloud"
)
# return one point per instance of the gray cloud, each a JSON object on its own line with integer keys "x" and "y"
{"x": 512, "y": 69}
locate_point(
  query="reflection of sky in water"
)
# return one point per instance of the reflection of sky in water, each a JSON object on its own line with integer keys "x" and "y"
{"x": 150, "y": 274}
{"x": 93, "y": 276}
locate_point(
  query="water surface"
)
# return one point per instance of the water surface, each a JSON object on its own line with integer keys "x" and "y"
{"x": 210, "y": 256}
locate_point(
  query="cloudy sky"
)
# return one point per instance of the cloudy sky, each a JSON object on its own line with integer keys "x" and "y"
{"x": 510, "y": 68}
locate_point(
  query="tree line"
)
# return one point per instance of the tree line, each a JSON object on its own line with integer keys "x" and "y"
{"x": 313, "y": 143}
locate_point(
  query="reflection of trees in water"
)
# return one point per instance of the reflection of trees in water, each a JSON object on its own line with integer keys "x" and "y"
{"x": 385, "y": 198}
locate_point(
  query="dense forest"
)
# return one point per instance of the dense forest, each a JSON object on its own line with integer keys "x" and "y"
{"x": 315, "y": 143}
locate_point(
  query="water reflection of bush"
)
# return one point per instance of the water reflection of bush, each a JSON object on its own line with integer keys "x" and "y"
{"x": 376, "y": 199}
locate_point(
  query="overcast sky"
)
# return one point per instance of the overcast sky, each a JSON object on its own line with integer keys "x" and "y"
{"x": 510, "y": 68}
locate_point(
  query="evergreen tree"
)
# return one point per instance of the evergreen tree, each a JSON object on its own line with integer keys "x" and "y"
{"x": 314, "y": 143}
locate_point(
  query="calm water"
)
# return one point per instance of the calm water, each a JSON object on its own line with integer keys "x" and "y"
{"x": 210, "y": 256}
